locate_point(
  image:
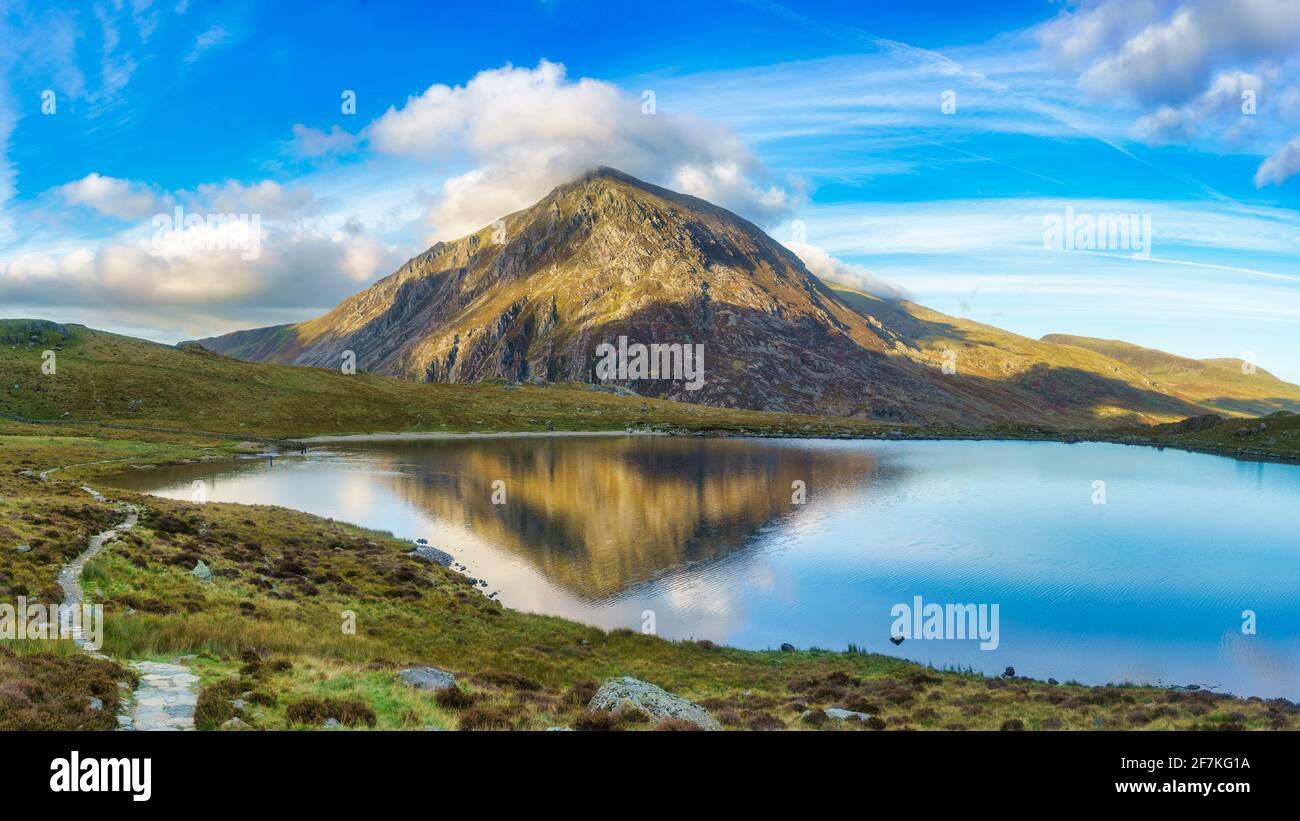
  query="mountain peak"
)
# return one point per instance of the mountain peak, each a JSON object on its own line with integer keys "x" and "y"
{"x": 603, "y": 177}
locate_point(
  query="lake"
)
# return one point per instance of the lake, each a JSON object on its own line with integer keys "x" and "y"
{"x": 1106, "y": 563}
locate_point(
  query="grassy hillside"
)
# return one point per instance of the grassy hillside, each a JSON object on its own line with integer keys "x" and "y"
{"x": 104, "y": 377}
{"x": 1217, "y": 384}
{"x": 1076, "y": 383}
{"x": 1273, "y": 437}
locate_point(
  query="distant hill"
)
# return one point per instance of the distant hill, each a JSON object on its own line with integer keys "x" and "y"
{"x": 1037, "y": 378}
{"x": 1217, "y": 384}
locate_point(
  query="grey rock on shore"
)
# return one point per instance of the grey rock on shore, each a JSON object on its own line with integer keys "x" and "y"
{"x": 629, "y": 693}
{"x": 432, "y": 554}
{"x": 840, "y": 714}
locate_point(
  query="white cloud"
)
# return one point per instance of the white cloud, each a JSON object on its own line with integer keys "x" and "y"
{"x": 301, "y": 260}
{"x": 1161, "y": 51}
{"x": 310, "y": 142}
{"x": 267, "y": 198}
{"x": 523, "y": 131}
{"x": 829, "y": 269}
{"x": 211, "y": 38}
{"x": 1218, "y": 106}
{"x": 297, "y": 268}
{"x": 1188, "y": 64}
{"x": 115, "y": 68}
{"x": 1281, "y": 165}
{"x": 118, "y": 198}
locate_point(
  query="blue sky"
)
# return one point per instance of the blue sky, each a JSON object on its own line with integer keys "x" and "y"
{"x": 823, "y": 122}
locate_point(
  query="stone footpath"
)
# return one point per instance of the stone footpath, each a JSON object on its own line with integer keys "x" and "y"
{"x": 168, "y": 691}
{"x": 164, "y": 700}
{"x": 70, "y": 575}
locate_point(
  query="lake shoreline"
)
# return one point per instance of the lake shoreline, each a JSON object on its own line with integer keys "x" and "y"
{"x": 886, "y": 435}
{"x": 415, "y": 436}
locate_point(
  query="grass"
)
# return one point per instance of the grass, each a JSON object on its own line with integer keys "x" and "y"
{"x": 268, "y": 642}
{"x": 1273, "y": 437}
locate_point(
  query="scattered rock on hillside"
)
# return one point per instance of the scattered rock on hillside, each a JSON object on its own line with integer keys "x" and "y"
{"x": 432, "y": 554}
{"x": 201, "y": 572}
{"x": 629, "y": 693}
{"x": 427, "y": 678}
{"x": 840, "y": 714}
{"x": 24, "y": 548}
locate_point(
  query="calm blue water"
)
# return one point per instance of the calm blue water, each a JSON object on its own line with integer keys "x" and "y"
{"x": 1148, "y": 587}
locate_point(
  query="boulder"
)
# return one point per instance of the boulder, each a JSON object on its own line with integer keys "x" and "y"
{"x": 840, "y": 714}
{"x": 657, "y": 704}
{"x": 432, "y": 554}
{"x": 427, "y": 678}
{"x": 201, "y": 572}
{"x": 24, "y": 548}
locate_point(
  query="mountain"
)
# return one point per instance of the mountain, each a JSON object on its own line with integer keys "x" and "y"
{"x": 1221, "y": 385}
{"x": 535, "y": 296}
{"x": 603, "y": 257}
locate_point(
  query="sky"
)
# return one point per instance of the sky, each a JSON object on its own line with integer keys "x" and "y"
{"x": 954, "y": 153}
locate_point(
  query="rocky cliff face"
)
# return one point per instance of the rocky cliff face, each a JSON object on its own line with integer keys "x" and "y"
{"x": 534, "y": 297}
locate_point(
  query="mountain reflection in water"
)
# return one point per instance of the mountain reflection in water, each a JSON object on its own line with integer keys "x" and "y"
{"x": 598, "y": 516}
